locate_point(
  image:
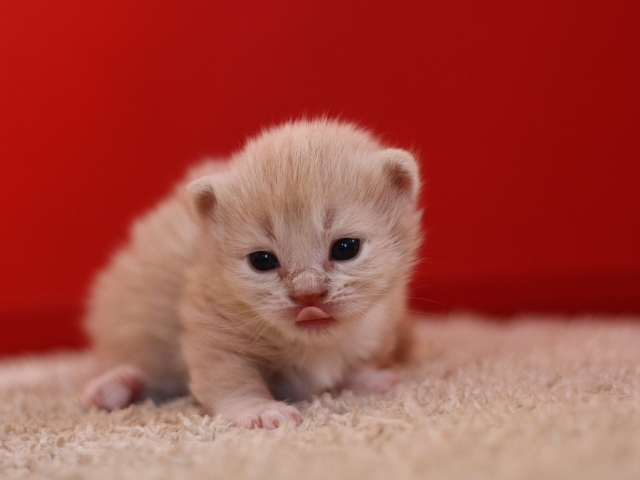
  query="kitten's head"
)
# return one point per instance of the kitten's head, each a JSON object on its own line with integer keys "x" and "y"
{"x": 311, "y": 220}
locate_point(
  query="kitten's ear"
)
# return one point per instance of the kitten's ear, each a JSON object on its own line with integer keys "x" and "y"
{"x": 402, "y": 172}
{"x": 201, "y": 198}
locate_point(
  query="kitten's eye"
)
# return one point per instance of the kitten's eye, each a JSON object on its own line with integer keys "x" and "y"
{"x": 345, "y": 249}
{"x": 263, "y": 261}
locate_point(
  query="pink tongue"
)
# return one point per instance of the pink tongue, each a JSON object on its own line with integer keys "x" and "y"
{"x": 311, "y": 313}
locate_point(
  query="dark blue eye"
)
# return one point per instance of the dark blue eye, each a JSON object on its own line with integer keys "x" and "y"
{"x": 263, "y": 261}
{"x": 345, "y": 249}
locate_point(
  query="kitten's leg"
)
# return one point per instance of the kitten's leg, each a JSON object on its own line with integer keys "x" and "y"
{"x": 232, "y": 388}
{"x": 369, "y": 380}
{"x": 117, "y": 388}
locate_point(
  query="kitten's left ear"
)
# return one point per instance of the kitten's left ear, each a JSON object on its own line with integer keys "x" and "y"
{"x": 402, "y": 172}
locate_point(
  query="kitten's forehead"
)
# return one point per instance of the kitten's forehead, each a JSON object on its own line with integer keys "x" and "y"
{"x": 301, "y": 181}
{"x": 295, "y": 219}
{"x": 313, "y": 202}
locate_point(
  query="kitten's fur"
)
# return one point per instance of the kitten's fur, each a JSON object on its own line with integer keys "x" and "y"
{"x": 181, "y": 308}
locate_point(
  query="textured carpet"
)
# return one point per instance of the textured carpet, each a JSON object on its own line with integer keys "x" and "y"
{"x": 530, "y": 398}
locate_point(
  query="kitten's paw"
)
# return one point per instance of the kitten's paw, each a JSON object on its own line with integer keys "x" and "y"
{"x": 267, "y": 415}
{"x": 114, "y": 389}
{"x": 370, "y": 380}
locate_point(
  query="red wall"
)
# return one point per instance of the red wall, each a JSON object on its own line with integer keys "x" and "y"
{"x": 526, "y": 117}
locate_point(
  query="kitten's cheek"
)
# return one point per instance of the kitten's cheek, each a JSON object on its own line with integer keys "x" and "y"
{"x": 313, "y": 319}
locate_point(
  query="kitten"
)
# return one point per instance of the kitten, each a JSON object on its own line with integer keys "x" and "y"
{"x": 277, "y": 275}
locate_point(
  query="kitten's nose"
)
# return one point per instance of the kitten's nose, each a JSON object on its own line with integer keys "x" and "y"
{"x": 309, "y": 299}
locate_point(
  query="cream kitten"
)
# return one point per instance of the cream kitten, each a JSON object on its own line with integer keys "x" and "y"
{"x": 277, "y": 275}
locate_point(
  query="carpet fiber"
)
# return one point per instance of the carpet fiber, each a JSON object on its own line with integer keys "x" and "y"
{"x": 529, "y": 398}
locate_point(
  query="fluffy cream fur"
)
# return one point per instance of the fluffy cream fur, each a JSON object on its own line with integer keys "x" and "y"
{"x": 181, "y": 306}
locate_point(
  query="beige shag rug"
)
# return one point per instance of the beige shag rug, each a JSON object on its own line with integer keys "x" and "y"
{"x": 529, "y": 399}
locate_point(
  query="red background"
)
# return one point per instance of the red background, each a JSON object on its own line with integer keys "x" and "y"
{"x": 525, "y": 115}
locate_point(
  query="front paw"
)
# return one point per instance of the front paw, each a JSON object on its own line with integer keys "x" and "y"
{"x": 267, "y": 415}
{"x": 114, "y": 389}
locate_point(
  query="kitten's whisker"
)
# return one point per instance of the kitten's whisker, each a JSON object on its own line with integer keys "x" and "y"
{"x": 251, "y": 322}
{"x": 251, "y": 342}
{"x": 426, "y": 300}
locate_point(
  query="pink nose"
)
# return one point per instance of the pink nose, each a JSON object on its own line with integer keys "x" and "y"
{"x": 308, "y": 299}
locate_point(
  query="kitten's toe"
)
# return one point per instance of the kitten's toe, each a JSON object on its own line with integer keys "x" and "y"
{"x": 269, "y": 416}
{"x": 371, "y": 381}
{"x": 275, "y": 415}
{"x": 114, "y": 389}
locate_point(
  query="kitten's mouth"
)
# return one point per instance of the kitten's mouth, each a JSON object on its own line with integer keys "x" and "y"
{"x": 314, "y": 319}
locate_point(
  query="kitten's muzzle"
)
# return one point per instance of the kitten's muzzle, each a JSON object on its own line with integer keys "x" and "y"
{"x": 307, "y": 287}
{"x": 308, "y": 299}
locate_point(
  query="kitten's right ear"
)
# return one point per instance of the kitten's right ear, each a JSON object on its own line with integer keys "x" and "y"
{"x": 201, "y": 198}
